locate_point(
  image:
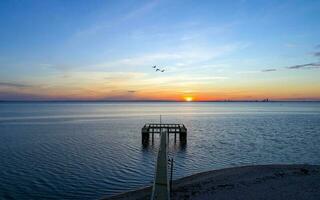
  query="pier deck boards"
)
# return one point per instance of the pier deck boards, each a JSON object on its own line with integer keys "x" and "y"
{"x": 161, "y": 189}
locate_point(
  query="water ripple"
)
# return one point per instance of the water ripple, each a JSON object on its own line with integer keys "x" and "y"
{"x": 86, "y": 151}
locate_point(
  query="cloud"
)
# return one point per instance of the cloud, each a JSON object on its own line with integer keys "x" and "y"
{"x": 62, "y": 67}
{"x": 313, "y": 65}
{"x": 291, "y": 45}
{"x": 143, "y": 60}
{"x": 181, "y": 80}
{"x": 16, "y": 85}
{"x": 317, "y": 54}
{"x": 177, "y": 59}
{"x": 141, "y": 11}
{"x": 305, "y": 66}
{"x": 248, "y": 72}
{"x": 110, "y": 24}
{"x": 131, "y": 91}
{"x": 123, "y": 76}
{"x": 269, "y": 70}
{"x": 14, "y": 96}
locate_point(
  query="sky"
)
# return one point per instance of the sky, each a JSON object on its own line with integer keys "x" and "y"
{"x": 210, "y": 50}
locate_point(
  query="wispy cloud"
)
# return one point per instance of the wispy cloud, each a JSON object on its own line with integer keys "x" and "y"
{"x": 317, "y": 54}
{"x": 269, "y": 70}
{"x": 176, "y": 59}
{"x": 311, "y": 65}
{"x": 62, "y": 67}
{"x": 16, "y": 85}
{"x": 305, "y": 66}
{"x": 109, "y": 24}
{"x": 138, "y": 61}
{"x": 248, "y": 72}
{"x": 13, "y": 95}
{"x": 291, "y": 45}
{"x": 181, "y": 80}
{"x": 141, "y": 10}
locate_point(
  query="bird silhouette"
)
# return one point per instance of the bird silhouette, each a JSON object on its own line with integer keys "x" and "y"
{"x": 158, "y": 69}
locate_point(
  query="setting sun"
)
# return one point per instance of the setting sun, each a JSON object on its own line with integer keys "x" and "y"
{"x": 188, "y": 99}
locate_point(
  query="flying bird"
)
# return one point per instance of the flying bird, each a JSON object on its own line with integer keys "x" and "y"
{"x": 157, "y": 69}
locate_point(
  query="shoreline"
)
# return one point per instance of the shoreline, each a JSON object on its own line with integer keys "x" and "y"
{"x": 297, "y": 181}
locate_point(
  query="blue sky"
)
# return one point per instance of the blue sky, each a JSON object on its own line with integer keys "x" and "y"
{"x": 209, "y": 49}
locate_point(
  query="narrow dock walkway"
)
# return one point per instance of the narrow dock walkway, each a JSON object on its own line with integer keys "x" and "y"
{"x": 161, "y": 189}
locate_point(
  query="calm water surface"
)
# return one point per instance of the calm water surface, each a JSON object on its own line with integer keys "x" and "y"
{"x": 90, "y": 150}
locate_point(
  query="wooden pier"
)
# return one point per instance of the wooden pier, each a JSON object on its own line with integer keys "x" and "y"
{"x": 151, "y": 129}
{"x": 161, "y": 187}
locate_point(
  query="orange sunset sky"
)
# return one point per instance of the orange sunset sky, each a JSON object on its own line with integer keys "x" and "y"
{"x": 209, "y": 51}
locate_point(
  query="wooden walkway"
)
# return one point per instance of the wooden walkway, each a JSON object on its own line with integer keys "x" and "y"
{"x": 161, "y": 189}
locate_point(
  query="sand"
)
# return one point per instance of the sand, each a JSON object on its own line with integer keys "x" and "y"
{"x": 248, "y": 182}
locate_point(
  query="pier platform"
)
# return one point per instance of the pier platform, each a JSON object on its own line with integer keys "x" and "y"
{"x": 151, "y": 129}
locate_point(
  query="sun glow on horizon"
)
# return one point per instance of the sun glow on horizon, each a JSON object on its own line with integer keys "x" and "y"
{"x": 188, "y": 99}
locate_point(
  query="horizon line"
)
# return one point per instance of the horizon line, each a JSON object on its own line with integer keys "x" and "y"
{"x": 146, "y": 101}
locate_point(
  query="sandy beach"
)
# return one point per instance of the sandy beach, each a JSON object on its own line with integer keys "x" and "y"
{"x": 247, "y": 182}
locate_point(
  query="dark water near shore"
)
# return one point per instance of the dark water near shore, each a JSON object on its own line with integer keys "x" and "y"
{"x": 89, "y": 150}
